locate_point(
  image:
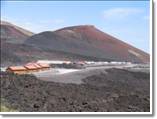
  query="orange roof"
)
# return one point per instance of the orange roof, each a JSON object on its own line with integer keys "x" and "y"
{"x": 37, "y": 65}
{"x": 30, "y": 67}
{"x": 33, "y": 66}
{"x": 17, "y": 68}
{"x": 44, "y": 65}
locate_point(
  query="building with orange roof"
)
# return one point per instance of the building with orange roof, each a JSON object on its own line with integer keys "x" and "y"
{"x": 44, "y": 66}
{"x": 37, "y": 65}
{"x": 17, "y": 69}
{"x": 28, "y": 68}
{"x": 32, "y": 67}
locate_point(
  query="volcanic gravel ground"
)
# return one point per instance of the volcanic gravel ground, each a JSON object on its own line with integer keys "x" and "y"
{"x": 115, "y": 91}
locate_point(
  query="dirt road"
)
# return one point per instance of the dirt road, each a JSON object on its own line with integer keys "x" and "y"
{"x": 74, "y": 76}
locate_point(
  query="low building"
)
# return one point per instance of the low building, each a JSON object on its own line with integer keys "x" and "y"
{"x": 31, "y": 68}
{"x": 17, "y": 69}
{"x": 28, "y": 68}
{"x": 81, "y": 63}
{"x": 44, "y": 66}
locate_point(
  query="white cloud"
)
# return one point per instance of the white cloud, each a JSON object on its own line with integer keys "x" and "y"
{"x": 120, "y": 13}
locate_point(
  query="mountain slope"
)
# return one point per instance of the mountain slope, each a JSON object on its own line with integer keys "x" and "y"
{"x": 13, "y": 34}
{"x": 12, "y": 39}
{"x": 87, "y": 40}
{"x": 14, "y": 51}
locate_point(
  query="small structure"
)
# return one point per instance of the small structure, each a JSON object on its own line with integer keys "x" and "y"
{"x": 44, "y": 66}
{"x": 28, "y": 68}
{"x": 31, "y": 68}
{"x": 66, "y": 62}
{"x": 17, "y": 69}
{"x": 81, "y": 63}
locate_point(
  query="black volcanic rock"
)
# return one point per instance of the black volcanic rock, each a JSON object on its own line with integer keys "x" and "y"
{"x": 117, "y": 90}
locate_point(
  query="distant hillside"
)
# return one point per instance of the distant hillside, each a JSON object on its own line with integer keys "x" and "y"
{"x": 14, "y": 51}
{"x": 86, "y": 40}
{"x": 12, "y": 38}
{"x": 13, "y": 34}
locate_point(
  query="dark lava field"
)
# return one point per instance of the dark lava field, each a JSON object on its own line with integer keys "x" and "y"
{"x": 115, "y": 90}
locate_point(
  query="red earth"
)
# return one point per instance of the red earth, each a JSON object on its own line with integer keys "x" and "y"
{"x": 90, "y": 41}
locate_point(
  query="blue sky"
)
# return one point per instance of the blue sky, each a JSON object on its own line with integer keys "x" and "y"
{"x": 126, "y": 20}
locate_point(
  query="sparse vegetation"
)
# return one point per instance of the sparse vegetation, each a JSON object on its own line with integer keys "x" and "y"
{"x": 4, "y": 107}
